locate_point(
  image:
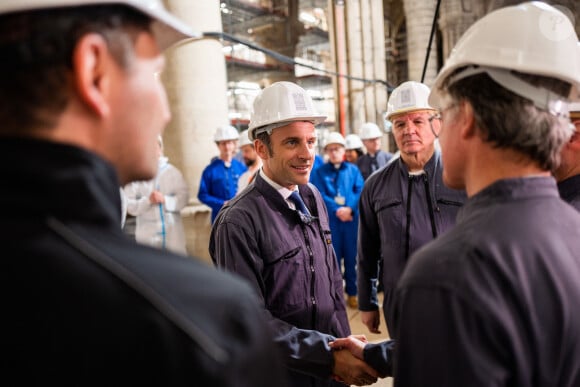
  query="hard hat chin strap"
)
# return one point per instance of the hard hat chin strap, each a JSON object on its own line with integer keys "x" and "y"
{"x": 542, "y": 98}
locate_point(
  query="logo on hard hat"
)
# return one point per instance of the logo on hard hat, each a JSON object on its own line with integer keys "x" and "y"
{"x": 554, "y": 26}
{"x": 299, "y": 102}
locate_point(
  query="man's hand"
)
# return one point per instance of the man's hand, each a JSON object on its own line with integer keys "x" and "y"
{"x": 372, "y": 320}
{"x": 350, "y": 370}
{"x": 344, "y": 214}
{"x": 352, "y": 343}
{"x": 156, "y": 197}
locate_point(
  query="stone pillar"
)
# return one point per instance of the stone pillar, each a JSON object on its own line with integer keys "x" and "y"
{"x": 455, "y": 17}
{"x": 359, "y": 24}
{"x": 195, "y": 79}
{"x": 419, "y": 15}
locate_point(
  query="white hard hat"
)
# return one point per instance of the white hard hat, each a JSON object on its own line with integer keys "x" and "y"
{"x": 532, "y": 38}
{"x": 167, "y": 28}
{"x": 225, "y": 133}
{"x": 334, "y": 138}
{"x": 408, "y": 97}
{"x": 369, "y": 130}
{"x": 244, "y": 139}
{"x": 281, "y": 102}
{"x": 352, "y": 141}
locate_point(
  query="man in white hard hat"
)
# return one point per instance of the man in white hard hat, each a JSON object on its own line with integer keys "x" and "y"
{"x": 568, "y": 172}
{"x": 276, "y": 235}
{"x": 219, "y": 180}
{"x": 251, "y": 159}
{"x": 81, "y": 109}
{"x": 495, "y": 301}
{"x": 404, "y": 205}
{"x": 375, "y": 158}
{"x": 340, "y": 184}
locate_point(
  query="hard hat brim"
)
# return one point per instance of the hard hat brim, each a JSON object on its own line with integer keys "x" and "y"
{"x": 314, "y": 119}
{"x": 409, "y": 110}
{"x": 167, "y": 28}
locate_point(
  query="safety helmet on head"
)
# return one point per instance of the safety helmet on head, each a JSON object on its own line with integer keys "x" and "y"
{"x": 532, "y": 38}
{"x": 281, "y": 103}
{"x": 226, "y": 133}
{"x": 369, "y": 130}
{"x": 334, "y": 138}
{"x": 166, "y": 28}
{"x": 408, "y": 97}
{"x": 244, "y": 139}
{"x": 352, "y": 141}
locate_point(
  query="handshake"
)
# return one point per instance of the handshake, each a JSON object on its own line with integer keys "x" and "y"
{"x": 349, "y": 365}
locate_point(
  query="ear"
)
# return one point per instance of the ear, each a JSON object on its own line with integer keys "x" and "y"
{"x": 466, "y": 119}
{"x": 261, "y": 149}
{"x": 91, "y": 63}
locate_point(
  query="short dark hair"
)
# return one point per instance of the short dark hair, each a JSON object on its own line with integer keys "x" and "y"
{"x": 508, "y": 120}
{"x": 36, "y": 49}
{"x": 265, "y": 138}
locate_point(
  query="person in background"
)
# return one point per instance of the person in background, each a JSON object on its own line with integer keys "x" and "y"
{"x": 157, "y": 204}
{"x": 318, "y": 162}
{"x": 251, "y": 159}
{"x": 568, "y": 172}
{"x": 354, "y": 148}
{"x": 276, "y": 236}
{"x": 375, "y": 158}
{"x": 497, "y": 297}
{"x": 219, "y": 180}
{"x": 404, "y": 205}
{"x": 81, "y": 106}
{"x": 340, "y": 184}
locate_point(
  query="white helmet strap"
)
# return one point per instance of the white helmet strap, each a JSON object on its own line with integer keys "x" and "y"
{"x": 543, "y": 98}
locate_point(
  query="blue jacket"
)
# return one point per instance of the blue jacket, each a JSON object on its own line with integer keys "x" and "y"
{"x": 219, "y": 183}
{"x": 398, "y": 214}
{"x": 346, "y": 181}
{"x": 293, "y": 269}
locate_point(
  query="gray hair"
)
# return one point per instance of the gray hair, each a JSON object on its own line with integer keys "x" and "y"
{"x": 513, "y": 122}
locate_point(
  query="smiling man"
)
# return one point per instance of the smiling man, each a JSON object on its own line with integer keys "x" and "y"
{"x": 276, "y": 235}
{"x": 404, "y": 205}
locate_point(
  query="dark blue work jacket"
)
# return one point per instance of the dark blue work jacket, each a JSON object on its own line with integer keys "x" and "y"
{"x": 399, "y": 213}
{"x": 570, "y": 191}
{"x": 292, "y": 267}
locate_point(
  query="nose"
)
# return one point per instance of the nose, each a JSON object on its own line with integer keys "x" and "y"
{"x": 305, "y": 151}
{"x": 410, "y": 128}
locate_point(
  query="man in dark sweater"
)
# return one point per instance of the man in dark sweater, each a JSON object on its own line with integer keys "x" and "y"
{"x": 83, "y": 305}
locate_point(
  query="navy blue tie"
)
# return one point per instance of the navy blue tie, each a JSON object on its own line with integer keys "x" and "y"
{"x": 299, "y": 203}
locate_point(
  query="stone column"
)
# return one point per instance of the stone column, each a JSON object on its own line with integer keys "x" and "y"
{"x": 419, "y": 15}
{"x": 359, "y": 51}
{"x": 455, "y": 17}
{"x": 195, "y": 79}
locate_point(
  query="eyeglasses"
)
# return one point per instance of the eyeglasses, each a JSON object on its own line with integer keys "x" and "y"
{"x": 436, "y": 116}
{"x": 439, "y": 116}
